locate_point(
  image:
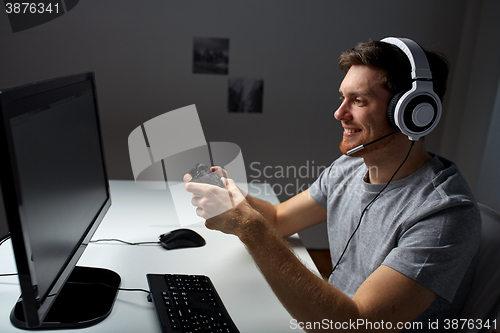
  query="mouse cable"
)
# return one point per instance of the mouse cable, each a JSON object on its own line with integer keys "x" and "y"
{"x": 122, "y": 241}
{"x": 366, "y": 208}
{"x": 94, "y": 241}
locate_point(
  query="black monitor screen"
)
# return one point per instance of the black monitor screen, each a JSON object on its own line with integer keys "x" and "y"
{"x": 59, "y": 190}
{"x": 61, "y": 179}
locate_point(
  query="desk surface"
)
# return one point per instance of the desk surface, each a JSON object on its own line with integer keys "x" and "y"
{"x": 137, "y": 215}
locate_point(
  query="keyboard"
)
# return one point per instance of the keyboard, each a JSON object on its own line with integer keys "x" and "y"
{"x": 188, "y": 303}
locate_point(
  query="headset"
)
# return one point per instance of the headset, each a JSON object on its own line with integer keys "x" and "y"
{"x": 417, "y": 111}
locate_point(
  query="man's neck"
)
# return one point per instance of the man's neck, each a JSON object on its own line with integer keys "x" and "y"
{"x": 382, "y": 166}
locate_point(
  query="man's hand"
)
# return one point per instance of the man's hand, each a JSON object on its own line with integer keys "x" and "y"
{"x": 223, "y": 209}
{"x": 215, "y": 169}
{"x": 199, "y": 200}
{"x": 242, "y": 220}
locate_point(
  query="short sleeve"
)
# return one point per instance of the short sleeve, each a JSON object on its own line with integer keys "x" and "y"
{"x": 319, "y": 189}
{"x": 437, "y": 250}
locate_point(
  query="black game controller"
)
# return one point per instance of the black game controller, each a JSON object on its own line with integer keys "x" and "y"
{"x": 202, "y": 174}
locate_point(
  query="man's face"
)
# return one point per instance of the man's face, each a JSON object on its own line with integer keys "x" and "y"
{"x": 363, "y": 109}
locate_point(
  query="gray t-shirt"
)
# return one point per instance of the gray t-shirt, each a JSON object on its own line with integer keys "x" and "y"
{"x": 427, "y": 226}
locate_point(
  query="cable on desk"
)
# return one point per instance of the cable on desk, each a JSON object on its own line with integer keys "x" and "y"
{"x": 107, "y": 285}
{"x": 122, "y": 241}
{"x": 95, "y": 241}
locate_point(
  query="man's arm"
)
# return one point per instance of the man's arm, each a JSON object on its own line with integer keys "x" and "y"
{"x": 387, "y": 296}
{"x": 296, "y": 214}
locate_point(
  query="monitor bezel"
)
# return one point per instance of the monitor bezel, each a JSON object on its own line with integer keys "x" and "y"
{"x": 35, "y": 306}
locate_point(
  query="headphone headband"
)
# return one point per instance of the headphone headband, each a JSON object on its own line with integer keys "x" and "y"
{"x": 419, "y": 65}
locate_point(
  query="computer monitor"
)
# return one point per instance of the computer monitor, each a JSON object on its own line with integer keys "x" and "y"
{"x": 4, "y": 230}
{"x": 56, "y": 192}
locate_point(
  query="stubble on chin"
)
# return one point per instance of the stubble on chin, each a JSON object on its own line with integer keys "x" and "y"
{"x": 344, "y": 147}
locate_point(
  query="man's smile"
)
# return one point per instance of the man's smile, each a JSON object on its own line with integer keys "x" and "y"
{"x": 351, "y": 131}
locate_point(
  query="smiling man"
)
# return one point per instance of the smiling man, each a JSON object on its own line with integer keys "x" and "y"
{"x": 403, "y": 226}
{"x": 364, "y": 119}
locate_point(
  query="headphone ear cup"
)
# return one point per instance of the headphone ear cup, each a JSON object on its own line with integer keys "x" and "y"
{"x": 391, "y": 109}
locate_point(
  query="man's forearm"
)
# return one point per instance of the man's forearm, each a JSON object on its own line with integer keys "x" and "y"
{"x": 291, "y": 216}
{"x": 307, "y": 297}
{"x": 267, "y": 209}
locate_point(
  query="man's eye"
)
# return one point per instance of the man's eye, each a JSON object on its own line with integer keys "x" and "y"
{"x": 358, "y": 102}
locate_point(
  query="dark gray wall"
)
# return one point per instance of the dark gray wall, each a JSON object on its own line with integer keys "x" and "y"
{"x": 471, "y": 135}
{"x": 141, "y": 52}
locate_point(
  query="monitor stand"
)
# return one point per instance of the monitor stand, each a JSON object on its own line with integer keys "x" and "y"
{"x": 85, "y": 300}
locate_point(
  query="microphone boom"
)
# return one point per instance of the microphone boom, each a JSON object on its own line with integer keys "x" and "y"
{"x": 358, "y": 148}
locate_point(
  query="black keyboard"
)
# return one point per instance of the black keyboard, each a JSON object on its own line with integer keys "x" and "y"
{"x": 188, "y": 303}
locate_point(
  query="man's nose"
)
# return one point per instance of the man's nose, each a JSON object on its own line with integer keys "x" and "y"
{"x": 342, "y": 113}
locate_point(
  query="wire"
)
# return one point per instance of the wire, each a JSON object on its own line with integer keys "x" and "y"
{"x": 367, "y": 206}
{"x": 135, "y": 289}
{"x": 121, "y": 241}
{"x": 93, "y": 241}
{"x": 106, "y": 285}
{"x": 3, "y": 240}
{"x": 109, "y": 286}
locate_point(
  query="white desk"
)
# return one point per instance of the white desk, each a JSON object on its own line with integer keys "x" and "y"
{"x": 138, "y": 214}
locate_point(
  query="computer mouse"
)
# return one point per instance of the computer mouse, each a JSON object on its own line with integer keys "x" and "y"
{"x": 181, "y": 238}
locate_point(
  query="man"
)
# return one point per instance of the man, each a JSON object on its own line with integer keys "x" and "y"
{"x": 403, "y": 261}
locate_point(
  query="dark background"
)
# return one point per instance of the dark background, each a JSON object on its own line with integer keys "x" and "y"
{"x": 142, "y": 54}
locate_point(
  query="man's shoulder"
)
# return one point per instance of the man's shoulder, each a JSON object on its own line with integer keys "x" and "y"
{"x": 447, "y": 176}
{"x": 444, "y": 191}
